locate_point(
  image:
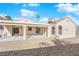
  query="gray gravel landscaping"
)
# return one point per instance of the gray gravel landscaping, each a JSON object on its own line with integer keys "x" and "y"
{"x": 64, "y": 47}
{"x": 60, "y": 50}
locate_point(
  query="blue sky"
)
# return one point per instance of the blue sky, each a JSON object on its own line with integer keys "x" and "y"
{"x": 45, "y": 10}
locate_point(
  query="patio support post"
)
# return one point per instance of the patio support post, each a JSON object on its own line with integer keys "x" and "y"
{"x": 7, "y": 31}
{"x": 24, "y": 32}
{"x": 49, "y": 31}
{"x": 4, "y": 31}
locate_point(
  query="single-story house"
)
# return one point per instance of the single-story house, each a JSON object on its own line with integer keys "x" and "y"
{"x": 63, "y": 28}
{"x": 77, "y": 31}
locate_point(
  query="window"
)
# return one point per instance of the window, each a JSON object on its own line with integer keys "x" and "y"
{"x": 60, "y": 30}
{"x": 29, "y": 28}
{"x": 53, "y": 30}
{"x": 15, "y": 30}
{"x": 1, "y": 28}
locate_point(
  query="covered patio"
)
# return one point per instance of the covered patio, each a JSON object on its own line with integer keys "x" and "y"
{"x": 25, "y": 31}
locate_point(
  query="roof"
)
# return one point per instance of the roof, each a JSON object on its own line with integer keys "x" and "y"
{"x": 2, "y": 17}
{"x": 57, "y": 21}
{"x": 19, "y": 23}
{"x": 24, "y": 20}
{"x": 51, "y": 20}
{"x": 32, "y": 23}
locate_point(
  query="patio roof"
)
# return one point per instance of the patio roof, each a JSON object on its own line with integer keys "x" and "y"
{"x": 24, "y": 23}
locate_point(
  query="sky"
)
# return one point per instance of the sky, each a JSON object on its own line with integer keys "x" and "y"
{"x": 45, "y": 10}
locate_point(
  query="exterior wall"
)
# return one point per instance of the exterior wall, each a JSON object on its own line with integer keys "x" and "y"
{"x": 77, "y": 32}
{"x": 20, "y": 30}
{"x": 30, "y": 32}
{"x": 68, "y": 29}
{"x": 43, "y": 31}
{"x": 1, "y": 30}
{"x": 54, "y": 35}
{"x": 7, "y": 30}
{"x": 49, "y": 31}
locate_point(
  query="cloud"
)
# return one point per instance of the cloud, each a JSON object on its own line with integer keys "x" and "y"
{"x": 77, "y": 13}
{"x": 24, "y": 5}
{"x": 74, "y": 19}
{"x": 3, "y": 14}
{"x": 30, "y": 13}
{"x": 67, "y": 7}
{"x": 33, "y": 4}
{"x": 15, "y": 18}
{"x": 44, "y": 20}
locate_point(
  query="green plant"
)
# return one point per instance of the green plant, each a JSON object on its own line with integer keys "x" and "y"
{"x": 38, "y": 18}
{"x": 8, "y": 17}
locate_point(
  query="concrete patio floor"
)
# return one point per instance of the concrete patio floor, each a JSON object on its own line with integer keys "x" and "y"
{"x": 28, "y": 37}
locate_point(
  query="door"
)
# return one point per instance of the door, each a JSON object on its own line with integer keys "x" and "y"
{"x": 37, "y": 30}
{"x": 15, "y": 31}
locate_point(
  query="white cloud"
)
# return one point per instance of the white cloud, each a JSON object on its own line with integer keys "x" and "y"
{"x": 74, "y": 19}
{"x": 3, "y": 14}
{"x": 77, "y": 13}
{"x": 15, "y": 18}
{"x": 30, "y": 13}
{"x": 68, "y": 7}
{"x": 44, "y": 20}
{"x": 24, "y": 5}
{"x": 33, "y": 4}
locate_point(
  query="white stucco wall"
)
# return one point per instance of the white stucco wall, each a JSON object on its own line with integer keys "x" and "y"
{"x": 68, "y": 29}
{"x": 43, "y": 31}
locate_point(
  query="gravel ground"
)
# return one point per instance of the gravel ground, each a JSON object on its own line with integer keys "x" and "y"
{"x": 61, "y": 50}
{"x": 58, "y": 50}
{"x": 64, "y": 47}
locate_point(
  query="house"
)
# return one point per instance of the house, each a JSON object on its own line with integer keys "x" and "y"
{"x": 2, "y": 18}
{"x": 77, "y": 31}
{"x": 63, "y": 28}
{"x": 24, "y": 20}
